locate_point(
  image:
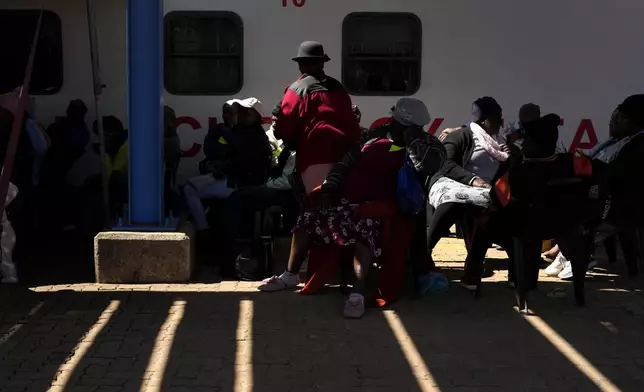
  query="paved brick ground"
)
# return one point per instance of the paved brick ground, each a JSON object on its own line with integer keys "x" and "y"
{"x": 228, "y": 337}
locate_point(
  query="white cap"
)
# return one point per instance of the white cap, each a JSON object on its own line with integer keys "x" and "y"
{"x": 250, "y": 103}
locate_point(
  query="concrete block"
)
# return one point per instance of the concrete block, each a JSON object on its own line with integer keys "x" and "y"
{"x": 144, "y": 257}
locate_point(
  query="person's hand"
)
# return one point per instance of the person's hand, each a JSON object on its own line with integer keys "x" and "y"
{"x": 446, "y": 132}
{"x": 327, "y": 199}
{"x": 505, "y": 147}
{"x": 480, "y": 183}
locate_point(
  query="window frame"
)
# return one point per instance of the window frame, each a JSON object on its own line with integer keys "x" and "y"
{"x": 58, "y": 26}
{"x": 230, "y": 15}
{"x": 346, "y": 56}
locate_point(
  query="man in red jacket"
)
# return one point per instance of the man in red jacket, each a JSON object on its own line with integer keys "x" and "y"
{"x": 315, "y": 117}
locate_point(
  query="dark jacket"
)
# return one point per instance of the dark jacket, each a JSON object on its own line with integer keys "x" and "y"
{"x": 250, "y": 156}
{"x": 543, "y": 199}
{"x": 459, "y": 146}
{"x": 217, "y": 149}
{"x": 243, "y": 155}
{"x": 624, "y": 181}
{"x": 316, "y": 120}
{"x": 425, "y": 151}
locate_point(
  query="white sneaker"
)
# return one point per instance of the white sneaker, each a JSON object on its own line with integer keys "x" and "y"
{"x": 555, "y": 268}
{"x": 566, "y": 273}
{"x": 286, "y": 281}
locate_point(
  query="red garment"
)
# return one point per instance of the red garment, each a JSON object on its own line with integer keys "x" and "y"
{"x": 374, "y": 176}
{"x": 397, "y": 232}
{"x": 316, "y": 119}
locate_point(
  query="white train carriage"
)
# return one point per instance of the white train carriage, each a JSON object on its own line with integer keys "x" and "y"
{"x": 577, "y": 58}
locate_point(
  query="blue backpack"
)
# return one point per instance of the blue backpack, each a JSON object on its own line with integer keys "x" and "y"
{"x": 409, "y": 193}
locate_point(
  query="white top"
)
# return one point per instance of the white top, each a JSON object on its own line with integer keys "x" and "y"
{"x": 481, "y": 163}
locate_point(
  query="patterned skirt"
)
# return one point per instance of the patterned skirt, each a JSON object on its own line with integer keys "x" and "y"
{"x": 341, "y": 225}
{"x": 446, "y": 190}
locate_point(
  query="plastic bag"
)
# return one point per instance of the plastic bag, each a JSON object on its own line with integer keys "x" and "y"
{"x": 434, "y": 282}
{"x": 409, "y": 193}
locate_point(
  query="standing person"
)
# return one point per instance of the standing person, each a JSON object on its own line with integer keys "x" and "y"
{"x": 316, "y": 118}
{"x": 405, "y": 133}
{"x": 317, "y": 121}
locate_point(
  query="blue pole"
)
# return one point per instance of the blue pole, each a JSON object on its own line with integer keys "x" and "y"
{"x": 145, "y": 112}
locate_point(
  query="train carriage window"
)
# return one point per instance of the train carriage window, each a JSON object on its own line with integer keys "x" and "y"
{"x": 203, "y": 53}
{"x": 17, "y": 28}
{"x": 381, "y": 53}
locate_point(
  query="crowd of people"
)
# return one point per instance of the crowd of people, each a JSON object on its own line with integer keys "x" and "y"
{"x": 42, "y": 203}
{"x": 344, "y": 191}
{"x": 372, "y": 202}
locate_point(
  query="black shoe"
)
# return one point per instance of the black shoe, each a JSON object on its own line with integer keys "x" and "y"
{"x": 470, "y": 284}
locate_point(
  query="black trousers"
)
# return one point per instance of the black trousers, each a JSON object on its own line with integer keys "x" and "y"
{"x": 498, "y": 229}
{"x": 421, "y": 262}
{"x": 242, "y": 205}
{"x": 629, "y": 243}
{"x": 445, "y": 216}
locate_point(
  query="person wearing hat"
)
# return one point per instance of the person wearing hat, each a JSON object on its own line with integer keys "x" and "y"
{"x": 366, "y": 174}
{"x": 315, "y": 117}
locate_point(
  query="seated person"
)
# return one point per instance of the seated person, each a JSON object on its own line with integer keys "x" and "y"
{"x": 39, "y": 146}
{"x": 212, "y": 147}
{"x": 171, "y": 141}
{"x": 525, "y": 192}
{"x": 172, "y": 157}
{"x": 618, "y": 163}
{"x": 244, "y": 202}
{"x": 69, "y": 137}
{"x": 474, "y": 154}
{"x": 371, "y": 177}
{"x": 528, "y": 112}
{"x": 241, "y": 159}
{"x": 116, "y": 159}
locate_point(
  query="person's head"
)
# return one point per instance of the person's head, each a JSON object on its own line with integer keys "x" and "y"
{"x": 628, "y": 118}
{"x": 228, "y": 115}
{"x": 408, "y": 112}
{"x": 488, "y": 114}
{"x": 169, "y": 121}
{"x": 541, "y": 136}
{"x": 77, "y": 110}
{"x": 114, "y": 131}
{"x": 529, "y": 112}
{"x": 356, "y": 112}
{"x": 311, "y": 57}
{"x": 248, "y": 112}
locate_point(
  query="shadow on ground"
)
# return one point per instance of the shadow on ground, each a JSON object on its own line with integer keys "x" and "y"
{"x": 247, "y": 341}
